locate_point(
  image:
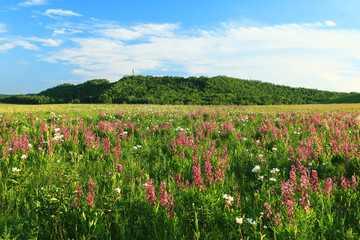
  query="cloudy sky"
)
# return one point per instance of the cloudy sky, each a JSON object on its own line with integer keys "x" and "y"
{"x": 307, "y": 43}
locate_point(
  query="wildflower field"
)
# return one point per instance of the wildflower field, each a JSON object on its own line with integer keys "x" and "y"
{"x": 179, "y": 172}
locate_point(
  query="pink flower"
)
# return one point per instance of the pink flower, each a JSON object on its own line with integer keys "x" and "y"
{"x": 78, "y": 193}
{"x": 353, "y": 183}
{"x": 150, "y": 192}
{"x": 328, "y": 186}
{"x": 163, "y": 195}
{"x": 91, "y": 194}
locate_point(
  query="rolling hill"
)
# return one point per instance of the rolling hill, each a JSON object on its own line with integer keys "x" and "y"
{"x": 218, "y": 90}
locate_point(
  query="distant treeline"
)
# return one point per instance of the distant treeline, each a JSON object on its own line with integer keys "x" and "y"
{"x": 218, "y": 90}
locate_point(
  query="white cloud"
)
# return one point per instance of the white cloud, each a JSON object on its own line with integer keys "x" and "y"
{"x": 11, "y": 42}
{"x": 2, "y": 28}
{"x": 314, "y": 55}
{"x": 47, "y": 42}
{"x": 32, "y": 3}
{"x": 60, "y": 31}
{"x": 330, "y": 23}
{"x": 164, "y": 30}
{"x": 53, "y": 13}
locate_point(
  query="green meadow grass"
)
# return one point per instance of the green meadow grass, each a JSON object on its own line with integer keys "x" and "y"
{"x": 179, "y": 172}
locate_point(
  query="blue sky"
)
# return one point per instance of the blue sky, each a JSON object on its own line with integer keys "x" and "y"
{"x": 312, "y": 44}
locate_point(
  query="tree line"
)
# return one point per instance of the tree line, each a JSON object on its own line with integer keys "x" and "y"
{"x": 219, "y": 90}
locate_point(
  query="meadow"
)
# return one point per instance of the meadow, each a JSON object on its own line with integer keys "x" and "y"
{"x": 179, "y": 172}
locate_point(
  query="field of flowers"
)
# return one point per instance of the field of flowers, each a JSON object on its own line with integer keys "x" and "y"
{"x": 177, "y": 172}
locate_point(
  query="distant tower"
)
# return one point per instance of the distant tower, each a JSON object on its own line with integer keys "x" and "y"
{"x": 133, "y": 71}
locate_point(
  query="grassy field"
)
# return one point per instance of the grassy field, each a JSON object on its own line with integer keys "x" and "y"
{"x": 319, "y": 108}
{"x": 179, "y": 172}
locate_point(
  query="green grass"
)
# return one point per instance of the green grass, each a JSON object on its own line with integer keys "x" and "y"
{"x": 163, "y": 146}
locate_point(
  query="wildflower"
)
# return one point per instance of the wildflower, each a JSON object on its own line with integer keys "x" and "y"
{"x": 272, "y": 179}
{"x": 251, "y": 221}
{"x": 163, "y": 195}
{"x": 256, "y": 169}
{"x": 353, "y": 183}
{"x": 274, "y": 148}
{"x": 117, "y": 190}
{"x": 118, "y": 167}
{"x": 171, "y": 212}
{"x": 228, "y": 198}
{"x": 91, "y": 194}
{"x": 239, "y": 220}
{"x": 15, "y": 169}
{"x": 261, "y": 178}
{"x": 328, "y": 186}
{"x": 24, "y": 156}
{"x": 135, "y": 148}
{"x": 274, "y": 170}
{"x": 78, "y": 194}
{"x": 73, "y": 206}
{"x": 150, "y": 192}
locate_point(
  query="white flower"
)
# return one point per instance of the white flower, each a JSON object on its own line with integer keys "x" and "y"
{"x": 272, "y": 179}
{"x": 228, "y": 198}
{"x": 274, "y": 148}
{"x": 138, "y": 146}
{"x": 24, "y": 156}
{"x": 239, "y": 220}
{"x": 260, "y": 177}
{"x": 135, "y": 148}
{"x": 15, "y": 169}
{"x": 274, "y": 170}
{"x": 251, "y": 221}
{"x": 56, "y": 130}
{"x": 256, "y": 169}
{"x": 117, "y": 190}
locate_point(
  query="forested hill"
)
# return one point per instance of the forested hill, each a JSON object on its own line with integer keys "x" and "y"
{"x": 177, "y": 90}
{"x": 2, "y": 96}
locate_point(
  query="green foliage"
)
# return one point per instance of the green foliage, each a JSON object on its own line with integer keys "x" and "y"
{"x": 218, "y": 90}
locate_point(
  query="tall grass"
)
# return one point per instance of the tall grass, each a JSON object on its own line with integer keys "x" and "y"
{"x": 170, "y": 172}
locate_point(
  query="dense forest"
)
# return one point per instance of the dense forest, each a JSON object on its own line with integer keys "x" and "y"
{"x": 218, "y": 90}
{"x": 2, "y": 96}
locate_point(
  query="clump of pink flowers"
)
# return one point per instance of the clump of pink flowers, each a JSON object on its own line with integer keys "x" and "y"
{"x": 150, "y": 191}
{"x": 91, "y": 193}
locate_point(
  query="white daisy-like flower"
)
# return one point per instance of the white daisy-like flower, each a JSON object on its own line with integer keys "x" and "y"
{"x": 15, "y": 169}
{"x": 239, "y": 220}
{"x": 261, "y": 178}
{"x": 250, "y": 220}
{"x": 117, "y": 190}
{"x": 23, "y": 156}
{"x": 272, "y": 179}
{"x": 274, "y": 170}
{"x": 256, "y": 169}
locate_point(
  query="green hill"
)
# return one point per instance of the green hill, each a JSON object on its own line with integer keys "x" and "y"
{"x": 3, "y": 95}
{"x": 218, "y": 90}
{"x": 350, "y": 98}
